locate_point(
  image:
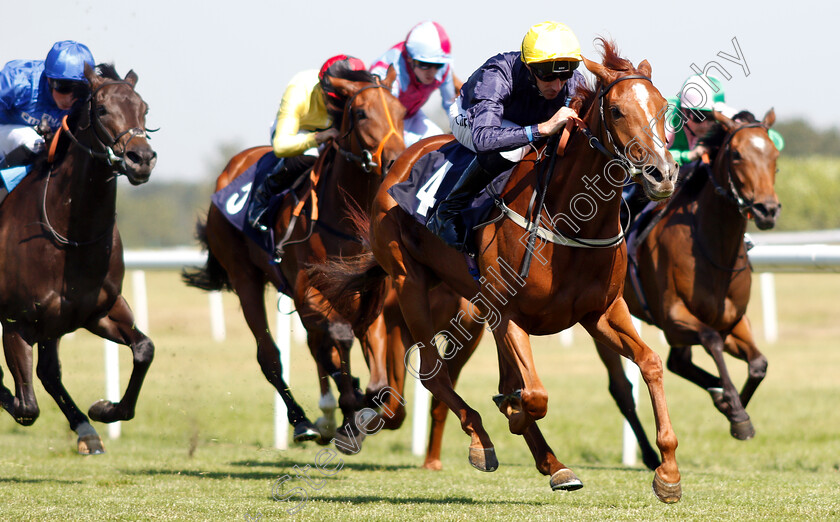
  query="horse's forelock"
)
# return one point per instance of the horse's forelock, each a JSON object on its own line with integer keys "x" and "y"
{"x": 612, "y": 59}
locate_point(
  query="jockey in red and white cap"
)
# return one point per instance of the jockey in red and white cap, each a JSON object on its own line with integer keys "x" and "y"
{"x": 423, "y": 63}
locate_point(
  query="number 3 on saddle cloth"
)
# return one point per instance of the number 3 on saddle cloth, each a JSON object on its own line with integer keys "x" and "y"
{"x": 234, "y": 200}
{"x": 432, "y": 178}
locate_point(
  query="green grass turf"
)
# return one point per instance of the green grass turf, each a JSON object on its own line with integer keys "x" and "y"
{"x": 200, "y": 447}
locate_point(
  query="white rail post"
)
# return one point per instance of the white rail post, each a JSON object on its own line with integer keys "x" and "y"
{"x": 629, "y": 444}
{"x": 217, "y": 316}
{"x": 420, "y": 417}
{"x": 768, "y": 303}
{"x": 567, "y": 337}
{"x": 112, "y": 382}
{"x": 283, "y": 339}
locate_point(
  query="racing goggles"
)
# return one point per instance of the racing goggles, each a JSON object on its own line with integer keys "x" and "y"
{"x": 425, "y": 66}
{"x": 556, "y": 70}
{"x": 68, "y": 86}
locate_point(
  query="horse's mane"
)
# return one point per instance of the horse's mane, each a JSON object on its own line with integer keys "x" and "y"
{"x": 107, "y": 70}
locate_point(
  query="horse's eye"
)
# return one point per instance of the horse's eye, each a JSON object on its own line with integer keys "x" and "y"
{"x": 616, "y": 112}
{"x": 360, "y": 114}
{"x": 736, "y": 156}
{"x": 101, "y": 111}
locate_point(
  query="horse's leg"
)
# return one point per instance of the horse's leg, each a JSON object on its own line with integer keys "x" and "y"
{"x": 615, "y": 330}
{"x": 514, "y": 349}
{"x": 680, "y": 363}
{"x": 326, "y": 423}
{"x": 249, "y": 286}
{"x": 439, "y": 410}
{"x": 740, "y": 425}
{"x": 622, "y": 393}
{"x": 23, "y": 405}
{"x": 387, "y": 368}
{"x": 413, "y": 294}
{"x": 49, "y": 372}
{"x": 728, "y": 401}
{"x": 741, "y": 343}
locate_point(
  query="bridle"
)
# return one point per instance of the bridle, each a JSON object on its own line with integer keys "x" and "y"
{"x": 367, "y": 160}
{"x": 103, "y": 137}
{"x": 614, "y": 154}
{"x": 731, "y": 193}
{"x": 111, "y": 158}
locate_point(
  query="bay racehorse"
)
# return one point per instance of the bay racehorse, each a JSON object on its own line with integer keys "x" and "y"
{"x": 345, "y": 177}
{"x": 62, "y": 257}
{"x": 693, "y": 272}
{"x": 566, "y": 286}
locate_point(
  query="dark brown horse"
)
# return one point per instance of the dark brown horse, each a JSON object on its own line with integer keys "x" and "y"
{"x": 346, "y": 176}
{"x": 694, "y": 272}
{"x": 62, "y": 257}
{"x": 566, "y": 285}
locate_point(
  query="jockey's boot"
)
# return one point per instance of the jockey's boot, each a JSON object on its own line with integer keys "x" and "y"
{"x": 273, "y": 183}
{"x": 21, "y": 155}
{"x": 446, "y": 223}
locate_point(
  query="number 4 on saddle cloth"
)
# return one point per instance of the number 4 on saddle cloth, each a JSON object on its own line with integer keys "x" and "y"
{"x": 432, "y": 178}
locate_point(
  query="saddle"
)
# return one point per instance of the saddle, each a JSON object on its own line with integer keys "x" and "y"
{"x": 432, "y": 178}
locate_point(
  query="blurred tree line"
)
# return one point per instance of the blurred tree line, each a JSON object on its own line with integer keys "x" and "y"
{"x": 803, "y": 139}
{"x": 162, "y": 215}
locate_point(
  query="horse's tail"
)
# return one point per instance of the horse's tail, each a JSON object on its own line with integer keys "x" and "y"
{"x": 355, "y": 286}
{"x": 213, "y": 275}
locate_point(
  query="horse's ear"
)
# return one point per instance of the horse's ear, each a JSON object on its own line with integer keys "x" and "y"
{"x": 769, "y": 118}
{"x": 345, "y": 88}
{"x": 390, "y": 76}
{"x": 94, "y": 80}
{"x": 131, "y": 77}
{"x": 602, "y": 73}
{"x": 644, "y": 68}
{"x": 723, "y": 120}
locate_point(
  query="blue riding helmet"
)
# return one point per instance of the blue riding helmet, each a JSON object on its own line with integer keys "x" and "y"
{"x": 66, "y": 61}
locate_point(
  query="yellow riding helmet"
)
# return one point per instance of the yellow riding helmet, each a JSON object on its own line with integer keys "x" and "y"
{"x": 550, "y": 41}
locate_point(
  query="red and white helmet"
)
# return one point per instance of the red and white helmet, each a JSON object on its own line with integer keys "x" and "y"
{"x": 428, "y": 42}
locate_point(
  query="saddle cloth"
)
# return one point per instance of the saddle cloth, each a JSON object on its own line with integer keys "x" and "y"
{"x": 432, "y": 178}
{"x": 10, "y": 177}
{"x": 234, "y": 200}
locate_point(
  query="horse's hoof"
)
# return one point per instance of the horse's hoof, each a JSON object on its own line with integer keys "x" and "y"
{"x": 565, "y": 480}
{"x": 434, "y": 465}
{"x": 326, "y": 428}
{"x": 347, "y": 442}
{"x": 484, "y": 459}
{"x": 667, "y": 493}
{"x": 105, "y": 411}
{"x": 742, "y": 430}
{"x": 305, "y": 431}
{"x": 90, "y": 445}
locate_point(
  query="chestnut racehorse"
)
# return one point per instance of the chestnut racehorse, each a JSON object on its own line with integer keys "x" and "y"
{"x": 348, "y": 175}
{"x": 567, "y": 285}
{"x": 694, "y": 272}
{"x": 62, "y": 257}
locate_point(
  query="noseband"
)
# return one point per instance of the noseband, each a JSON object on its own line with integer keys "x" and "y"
{"x": 731, "y": 192}
{"x": 367, "y": 160}
{"x": 103, "y": 136}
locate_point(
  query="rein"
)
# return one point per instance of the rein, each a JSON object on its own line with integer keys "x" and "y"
{"x": 110, "y": 157}
{"x": 533, "y": 227}
{"x": 366, "y": 160}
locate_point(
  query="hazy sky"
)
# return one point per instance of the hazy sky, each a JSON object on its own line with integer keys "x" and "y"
{"x": 213, "y": 72}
